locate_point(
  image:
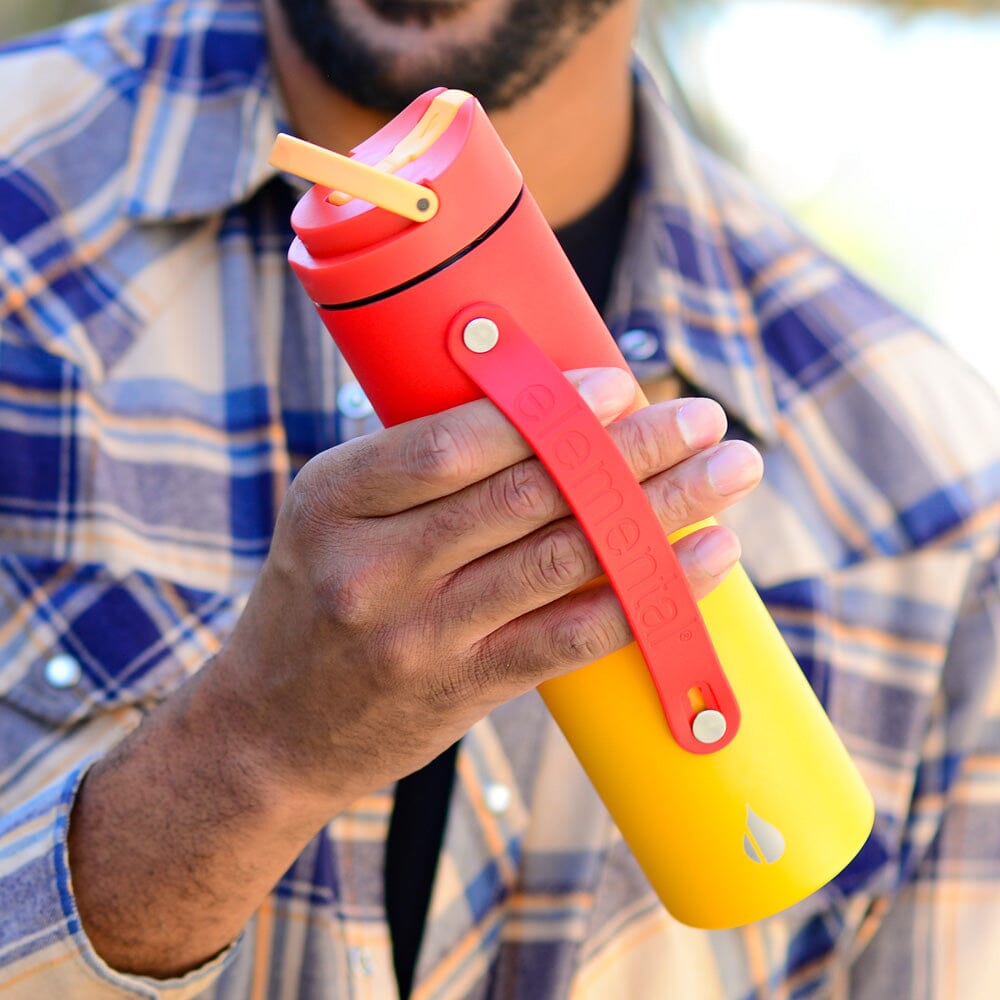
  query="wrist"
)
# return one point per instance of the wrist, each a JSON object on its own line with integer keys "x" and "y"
{"x": 178, "y": 805}
{"x": 261, "y": 756}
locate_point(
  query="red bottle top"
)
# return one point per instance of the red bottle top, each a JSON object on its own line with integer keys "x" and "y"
{"x": 352, "y": 251}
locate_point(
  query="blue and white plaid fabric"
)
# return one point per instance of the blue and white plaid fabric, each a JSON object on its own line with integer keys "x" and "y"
{"x": 162, "y": 377}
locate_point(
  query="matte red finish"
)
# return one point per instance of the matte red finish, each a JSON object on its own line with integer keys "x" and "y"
{"x": 396, "y": 346}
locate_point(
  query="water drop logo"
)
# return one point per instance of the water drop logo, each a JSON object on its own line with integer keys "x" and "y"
{"x": 762, "y": 841}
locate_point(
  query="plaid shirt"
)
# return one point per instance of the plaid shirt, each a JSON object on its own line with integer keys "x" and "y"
{"x": 161, "y": 378}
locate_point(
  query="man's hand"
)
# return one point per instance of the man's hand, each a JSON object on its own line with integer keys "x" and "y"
{"x": 423, "y": 575}
{"x": 417, "y": 578}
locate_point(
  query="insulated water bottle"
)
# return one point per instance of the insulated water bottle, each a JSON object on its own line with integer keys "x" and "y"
{"x": 440, "y": 281}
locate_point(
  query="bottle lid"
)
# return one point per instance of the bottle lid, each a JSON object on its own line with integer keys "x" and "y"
{"x": 363, "y": 227}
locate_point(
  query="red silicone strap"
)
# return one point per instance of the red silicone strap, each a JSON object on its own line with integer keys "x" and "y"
{"x": 613, "y": 511}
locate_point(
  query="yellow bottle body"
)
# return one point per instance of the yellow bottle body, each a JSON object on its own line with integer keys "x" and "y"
{"x": 729, "y": 837}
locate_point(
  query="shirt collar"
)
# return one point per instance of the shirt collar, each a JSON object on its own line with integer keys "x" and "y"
{"x": 679, "y": 284}
{"x": 206, "y": 91}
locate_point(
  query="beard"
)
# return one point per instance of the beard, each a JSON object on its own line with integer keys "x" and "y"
{"x": 384, "y": 53}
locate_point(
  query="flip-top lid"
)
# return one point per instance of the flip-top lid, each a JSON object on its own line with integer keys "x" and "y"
{"x": 426, "y": 185}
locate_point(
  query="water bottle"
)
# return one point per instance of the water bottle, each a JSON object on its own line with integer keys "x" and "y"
{"x": 441, "y": 282}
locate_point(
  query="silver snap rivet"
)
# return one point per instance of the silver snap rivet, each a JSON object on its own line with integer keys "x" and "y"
{"x": 480, "y": 335}
{"x": 353, "y": 403}
{"x": 638, "y": 345}
{"x": 63, "y": 671}
{"x": 709, "y": 726}
{"x": 497, "y": 797}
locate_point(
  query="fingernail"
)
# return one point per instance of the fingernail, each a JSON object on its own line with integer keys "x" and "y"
{"x": 734, "y": 466}
{"x": 701, "y": 421}
{"x": 607, "y": 391}
{"x": 717, "y": 552}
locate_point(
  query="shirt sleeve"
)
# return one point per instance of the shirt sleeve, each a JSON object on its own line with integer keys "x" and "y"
{"x": 83, "y": 656}
{"x": 44, "y": 951}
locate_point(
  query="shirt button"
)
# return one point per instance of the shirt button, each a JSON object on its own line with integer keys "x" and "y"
{"x": 638, "y": 345}
{"x": 497, "y": 797}
{"x": 63, "y": 671}
{"x": 353, "y": 403}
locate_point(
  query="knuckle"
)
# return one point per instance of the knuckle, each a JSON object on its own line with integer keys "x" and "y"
{"x": 439, "y": 450}
{"x": 455, "y": 685}
{"x": 330, "y": 487}
{"x": 346, "y": 597}
{"x": 644, "y": 449}
{"x": 558, "y": 560}
{"x": 395, "y": 662}
{"x": 446, "y": 686}
{"x": 582, "y": 638}
{"x": 523, "y": 493}
{"x": 449, "y": 520}
{"x": 498, "y": 671}
{"x": 311, "y": 499}
{"x": 672, "y": 501}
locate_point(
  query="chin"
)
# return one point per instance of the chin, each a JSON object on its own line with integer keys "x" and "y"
{"x": 383, "y": 53}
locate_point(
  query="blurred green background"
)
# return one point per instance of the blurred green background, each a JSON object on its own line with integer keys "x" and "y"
{"x": 20, "y": 16}
{"x": 873, "y": 122}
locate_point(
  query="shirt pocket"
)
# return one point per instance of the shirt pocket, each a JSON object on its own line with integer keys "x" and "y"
{"x": 78, "y": 643}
